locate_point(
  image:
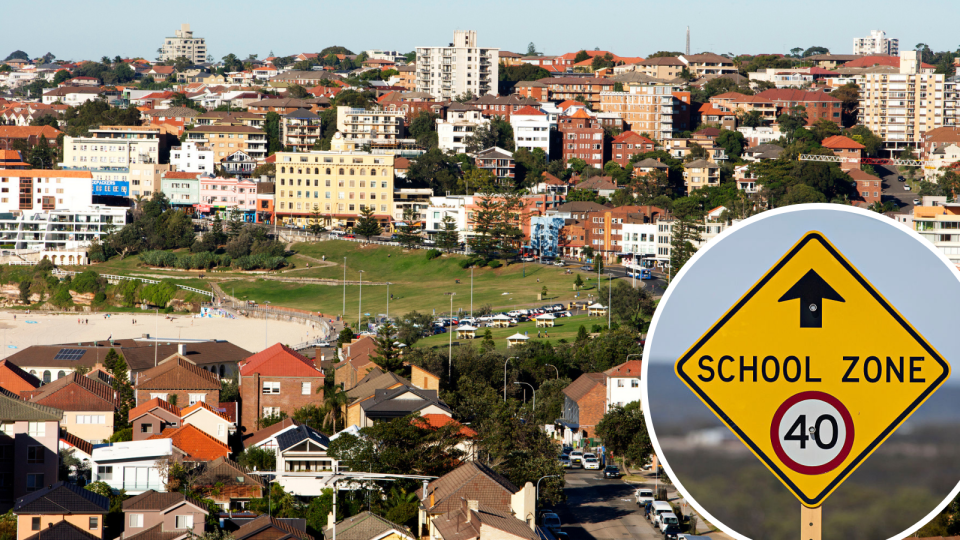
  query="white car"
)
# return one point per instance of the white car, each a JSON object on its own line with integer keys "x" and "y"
{"x": 576, "y": 458}
{"x": 644, "y": 496}
{"x": 591, "y": 463}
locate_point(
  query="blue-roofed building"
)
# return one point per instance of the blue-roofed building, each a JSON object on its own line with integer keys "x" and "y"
{"x": 302, "y": 460}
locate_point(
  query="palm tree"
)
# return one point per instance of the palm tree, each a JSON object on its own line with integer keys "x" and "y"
{"x": 333, "y": 403}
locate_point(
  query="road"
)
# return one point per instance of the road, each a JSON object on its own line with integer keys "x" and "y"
{"x": 894, "y": 190}
{"x": 598, "y": 509}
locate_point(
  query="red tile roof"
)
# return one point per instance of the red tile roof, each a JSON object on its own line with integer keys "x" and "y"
{"x": 439, "y": 420}
{"x": 279, "y": 361}
{"x": 841, "y": 142}
{"x": 629, "y": 136}
{"x": 22, "y": 132}
{"x": 177, "y": 373}
{"x": 630, "y": 368}
{"x": 581, "y": 114}
{"x": 154, "y": 403}
{"x": 857, "y": 174}
{"x": 195, "y": 443}
{"x": 530, "y": 111}
{"x": 788, "y": 94}
{"x": 16, "y": 380}
{"x": 201, "y": 405}
{"x": 72, "y": 440}
{"x": 870, "y": 61}
{"x": 179, "y": 175}
{"x": 75, "y": 393}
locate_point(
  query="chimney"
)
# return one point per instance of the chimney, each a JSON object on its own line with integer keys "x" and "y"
{"x": 472, "y": 506}
{"x": 182, "y": 349}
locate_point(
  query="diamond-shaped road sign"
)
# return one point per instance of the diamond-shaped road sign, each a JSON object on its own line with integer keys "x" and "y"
{"x": 830, "y": 367}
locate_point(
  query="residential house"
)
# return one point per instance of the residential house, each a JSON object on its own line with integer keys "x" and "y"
{"x": 938, "y": 138}
{"x": 80, "y": 449}
{"x": 366, "y": 388}
{"x": 473, "y": 482}
{"x": 647, "y": 166}
{"x": 168, "y": 516}
{"x": 268, "y": 527}
{"x": 582, "y": 137}
{"x": 178, "y": 381}
{"x": 196, "y": 445}
{"x": 623, "y": 384}
{"x": 178, "y": 117}
{"x": 700, "y": 173}
{"x": 355, "y": 362}
{"x": 301, "y": 457}
{"x": 88, "y": 405}
{"x": 708, "y": 63}
{"x": 532, "y": 129}
{"x": 267, "y": 437}
{"x": 498, "y": 162}
{"x": 132, "y": 466}
{"x": 15, "y": 380}
{"x": 584, "y": 404}
{"x": 846, "y": 148}
{"x": 474, "y": 521}
{"x": 603, "y": 186}
{"x": 388, "y": 404}
{"x": 29, "y": 444}
{"x": 369, "y": 526}
{"x": 81, "y": 509}
{"x": 209, "y": 420}
{"x": 767, "y": 151}
{"x": 460, "y": 123}
{"x": 868, "y": 186}
{"x": 229, "y": 484}
{"x": 277, "y": 379}
{"x": 71, "y": 95}
{"x": 626, "y": 145}
{"x": 153, "y": 417}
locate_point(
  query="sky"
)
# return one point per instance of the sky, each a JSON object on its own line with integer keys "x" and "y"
{"x": 92, "y": 29}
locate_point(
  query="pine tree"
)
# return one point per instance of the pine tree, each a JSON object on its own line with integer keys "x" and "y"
{"x": 216, "y": 230}
{"x": 367, "y": 225}
{"x": 235, "y": 223}
{"x": 125, "y": 395}
{"x": 578, "y": 282}
{"x": 448, "y": 238}
{"x": 387, "y": 355}
{"x": 684, "y": 233}
{"x": 407, "y": 234}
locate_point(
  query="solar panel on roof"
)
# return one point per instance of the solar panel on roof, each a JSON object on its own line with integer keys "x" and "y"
{"x": 69, "y": 354}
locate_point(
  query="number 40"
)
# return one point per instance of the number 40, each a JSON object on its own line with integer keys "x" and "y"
{"x": 798, "y": 431}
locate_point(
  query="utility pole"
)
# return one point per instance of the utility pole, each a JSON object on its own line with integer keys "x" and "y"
{"x": 450, "y": 340}
{"x": 344, "y": 310}
{"x": 360, "y": 301}
{"x": 609, "y": 299}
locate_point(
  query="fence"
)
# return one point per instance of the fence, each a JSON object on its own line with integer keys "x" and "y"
{"x": 291, "y": 313}
{"x": 113, "y": 278}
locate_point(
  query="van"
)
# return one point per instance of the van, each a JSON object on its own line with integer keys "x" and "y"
{"x": 657, "y": 508}
{"x": 667, "y": 520}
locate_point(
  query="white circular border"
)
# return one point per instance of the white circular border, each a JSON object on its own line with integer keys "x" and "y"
{"x": 644, "y": 368}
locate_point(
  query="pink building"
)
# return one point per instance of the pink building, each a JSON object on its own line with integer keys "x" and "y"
{"x": 226, "y": 194}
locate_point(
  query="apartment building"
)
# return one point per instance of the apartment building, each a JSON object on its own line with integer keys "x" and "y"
{"x": 628, "y": 143}
{"x": 901, "y": 107}
{"x": 498, "y": 162}
{"x": 300, "y": 130}
{"x": 638, "y": 240}
{"x": 817, "y": 104}
{"x": 125, "y": 160}
{"x": 29, "y": 440}
{"x": 710, "y": 228}
{"x": 226, "y": 140}
{"x": 460, "y": 68}
{"x": 192, "y": 157}
{"x": 344, "y": 179}
{"x": 228, "y": 195}
{"x": 368, "y": 126}
{"x": 582, "y": 137}
{"x": 181, "y": 188}
{"x": 460, "y": 123}
{"x": 708, "y": 63}
{"x": 938, "y": 222}
{"x": 876, "y": 43}
{"x": 584, "y": 89}
{"x": 664, "y": 67}
{"x": 700, "y": 173}
{"x": 657, "y": 109}
{"x": 184, "y": 44}
{"x": 532, "y": 129}
{"x": 605, "y": 228}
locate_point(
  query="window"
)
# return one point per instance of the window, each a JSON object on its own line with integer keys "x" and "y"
{"x": 105, "y": 472}
{"x": 36, "y": 429}
{"x": 271, "y": 387}
{"x": 184, "y": 522}
{"x": 136, "y": 521}
{"x": 35, "y": 524}
{"x": 146, "y": 428}
{"x": 271, "y": 411}
{"x": 634, "y": 383}
{"x": 94, "y": 523}
{"x": 35, "y": 454}
{"x": 197, "y": 397}
{"x": 90, "y": 419}
{"x": 161, "y": 396}
{"x": 34, "y": 482}
{"x": 305, "y": 388}
{"x": 7, "y": 428}
{"x": 220, "y": 430}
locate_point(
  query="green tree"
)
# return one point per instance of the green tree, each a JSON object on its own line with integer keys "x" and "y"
{"x": 407, "y": 234}
{"x": 578, "y": 282}
{"x": 632, "y": 307}
{"x": 367, "y": 224}
{"x": 733, "y": 143}
{"x": 751, "y": 119}
{"x": 497, "y": 132}
{"x": 344, "y": 337}
{"x": 125, "y": 396}
{"x": 334, "y": 402}
{"x": 448, "y": 238}
{"x": 216, "y": 230}
{"x": 580, "y": 57}
{"x": 792, "y": 121}
{"x": 256, "y": 458}
{"x": 684, "y": 234}
{"x": 387, "y": 354}
{"x": 316, "y": 222}
{"x": 624, "y": 434}
{"x": 297, "y": 91}
{"x": 271, "y": 125}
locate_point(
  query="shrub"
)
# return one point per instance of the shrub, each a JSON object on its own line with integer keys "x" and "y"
{"x": 465, "y": 263}
{"x": 88, "y": 282}
{"x": 596, "y": 329}
{"x": 480, "y": 263}
{"x": 100, "y": 297}
{"x": 495, "y": 264}
{"x": 433, "y": 254}
{"x": 62, "y": 297}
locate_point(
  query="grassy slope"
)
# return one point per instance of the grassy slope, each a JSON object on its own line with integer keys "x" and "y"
{"x": 565, "y": 328}
{"x": 416, "y": 283}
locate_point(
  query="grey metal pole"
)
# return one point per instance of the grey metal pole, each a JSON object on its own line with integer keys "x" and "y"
{"x": 609, "y": 299}
{"x": 558, "y": 371}
{"x": 534, "y": 393}
{"x": 344, "y": 310}
{"x": 450, "y": 340}
{"x": 360, "y": 301}
{"x": 537, "y": 500}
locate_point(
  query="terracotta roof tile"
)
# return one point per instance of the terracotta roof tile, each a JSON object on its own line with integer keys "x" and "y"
{"x": 530, "y": 111}
{"x": 153, "y": 500}
{"x": 75, "y": 393}
{"x": 252, "y": 528}
{"x": 195, "y": 443}
{"x": 630, "y": 368}
{"x": 440, "y": 420}
{"x": 841, "y": 142}
{"x": 279, "y": 361}
{"x": 15, "y": 379}
{"x": 70, "y": 439}
{"x": 177, "y": 373}
{"x": 201, "y": 405}
{"x": 154, "y": 403}
{"x": 584, "y": 385}
{"x": 472, "y": 481}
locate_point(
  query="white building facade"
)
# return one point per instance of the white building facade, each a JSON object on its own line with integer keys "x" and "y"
{"x": 461, "y": 122}
{"x": 876, "y": 43}
{"x": 532, "y": 129}
{"x": 447, "y": 72}
{"x": 131, "y": 466}
{"x": 126, "y": 157}
{"x": 639, "y": 239}
{"x": 191, "y": 157}
{"x": 184, "y": 44}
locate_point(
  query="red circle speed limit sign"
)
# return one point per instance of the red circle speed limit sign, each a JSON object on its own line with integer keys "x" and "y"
{"x": 812, "y": 432}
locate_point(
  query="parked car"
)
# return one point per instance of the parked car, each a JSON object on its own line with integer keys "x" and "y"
{"x": 591, "y": 463}
{"x": 586, "y": 268}
{"x": 576, "y": 458}
{"x": 916, "y": 202}
{"x": 351, "y": 235}
{"x": 558, "y": 263}
{"x": 528, "y": 259}
{"x": 644, "y": 496}
{"x": 906, "y": 187}
{"x": 565, "y": 461}
{"x": 611, "y": 471}
{"x": 667, "y": 520}
{"x": 657, "y": 508}
{"x": 550, "y": 521}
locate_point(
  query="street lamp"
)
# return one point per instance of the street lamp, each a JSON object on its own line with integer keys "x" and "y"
{"x": 450, "y": 331}
{"x": 471, "y": 292}
{"x": 266, "y": 342}
{"x": 360, "y": 301}
{"x": 344, "y": 310}
{"x": 538, "y": 486}
{"x": 505, "y": 376}
{"x": 518, "y": 383}
{"x": 609, "y": 299}
{"x": 388, "y": 300}
{"x": 554, "y": 367}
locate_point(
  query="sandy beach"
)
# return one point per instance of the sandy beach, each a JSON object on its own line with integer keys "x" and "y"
{"x": 45, "y": 329}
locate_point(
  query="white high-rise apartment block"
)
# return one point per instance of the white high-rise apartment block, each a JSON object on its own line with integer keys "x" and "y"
{"x": 447, "y": 72}
{"x": 877, "y": 43}
{"x": 901, "y": 107}
{"x": 184, "y": 44}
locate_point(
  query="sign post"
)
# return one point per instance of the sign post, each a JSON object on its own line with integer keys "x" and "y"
{"x": 812, "y": 368}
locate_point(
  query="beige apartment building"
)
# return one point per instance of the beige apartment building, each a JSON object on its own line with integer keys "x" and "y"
{"x": 184, "y": 44}
{"x": 120, "y": 154}
{"x": 901, "y": 107}
{"x": 656, "y": 109}
{"x": 369, "y": 126}
{"x": 700, "y": 173}
{"x": 447, "y": 72}
{"x": 336, "y": 184}
{"x": 225, "y": 140}
{"x": 665, "y": 67}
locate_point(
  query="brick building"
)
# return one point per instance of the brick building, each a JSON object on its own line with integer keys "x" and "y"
{"x": 153, "y": 417}
{"x": 584, "y": 403}
{"x": 28, "y": 134}
{"x": 587, "y": 88}
{"x": 627, "y": 144}
{"x": 940, "y": 137}
{"x": 228, "y": 484}
{"x": 818, "y": 105}
{"x": 583, "y": 138}
{"x": 604, "y": 229}
{"x": 845, "y": 147}
{"x": 868, "y": 186}
{"x": 277, "y": 379}
{"x": 178, "y": 381}
{"x": 504, "y": 106}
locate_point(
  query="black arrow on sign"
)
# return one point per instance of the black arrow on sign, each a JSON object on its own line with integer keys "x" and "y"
{"x": 811, "y": 290}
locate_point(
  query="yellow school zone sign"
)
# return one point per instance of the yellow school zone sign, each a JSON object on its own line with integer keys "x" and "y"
{"x": 812, "y": 369}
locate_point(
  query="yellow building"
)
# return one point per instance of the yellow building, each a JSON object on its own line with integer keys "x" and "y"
{"x": 342, "y": 182}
